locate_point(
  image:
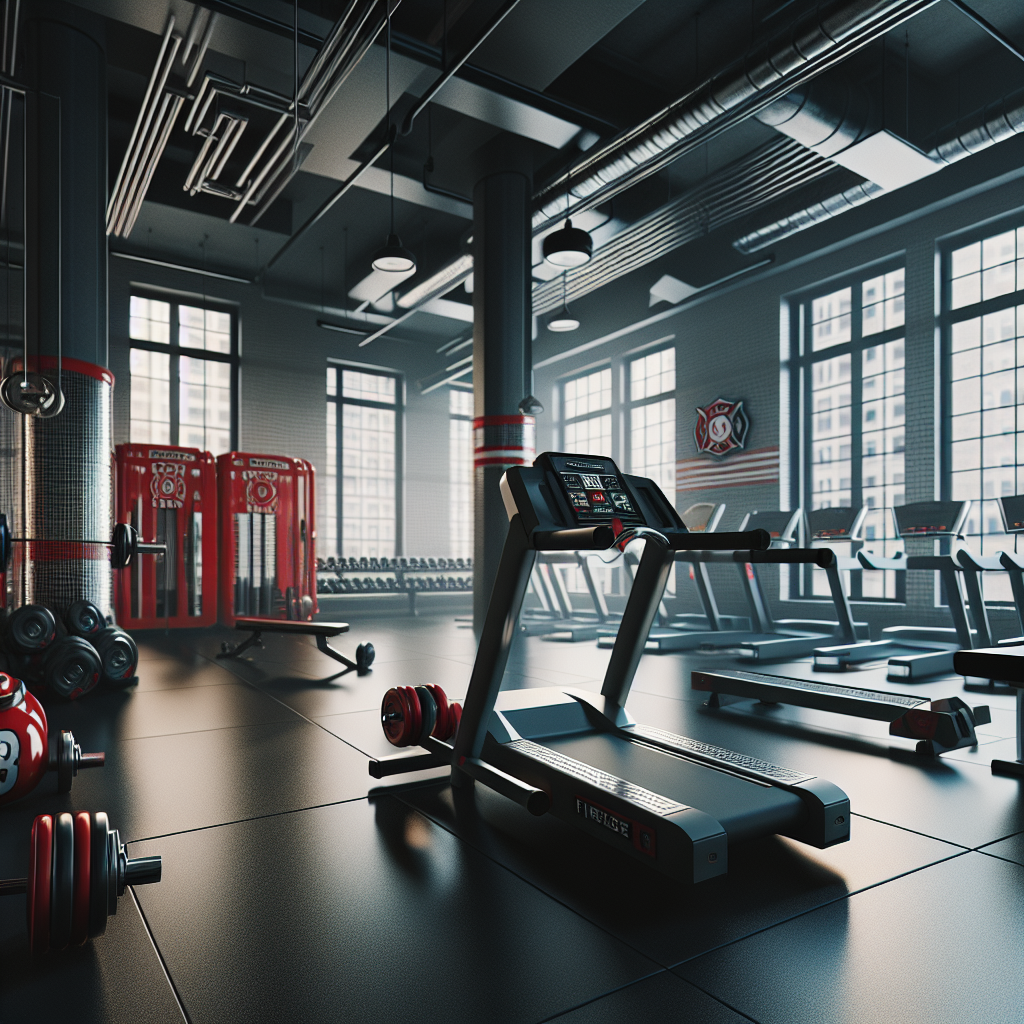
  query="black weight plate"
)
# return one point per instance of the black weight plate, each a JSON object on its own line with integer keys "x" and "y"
{"x": 118, "y": 654}
{"x": 428, "y": 708}
{"x": 71, "y": 667}
{"x": 99, "y": 871}
{"x": 124, "y": 545}
{"x": 84, "y": 619}
{"x": 63, "y": 881}
{"x": 30, "y": 629}
{"x": 115, "y": 887}
{"x": 65, "y": 761}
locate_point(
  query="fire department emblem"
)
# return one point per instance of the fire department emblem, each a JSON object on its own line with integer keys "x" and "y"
{"x": 261, "y": 493}
{"x": 167, "y": 485}
{"x": 721, "y": 427}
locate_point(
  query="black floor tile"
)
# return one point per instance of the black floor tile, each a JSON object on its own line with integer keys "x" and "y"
{"x": 944, "y": 944}
{"x": 163, "y": 784}
{"x": 115, "y": 978}
{"x": 366, "y": 911}
{"x": 664, "y": 998}
{"x": 769, "y": 880}
{"x": 104, "y": 719}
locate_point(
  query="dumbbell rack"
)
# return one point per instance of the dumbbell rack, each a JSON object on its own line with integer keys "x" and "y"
{"x": 392, "y": 576}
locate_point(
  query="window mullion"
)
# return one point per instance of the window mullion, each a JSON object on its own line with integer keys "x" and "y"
{"x": 856, "y": 417}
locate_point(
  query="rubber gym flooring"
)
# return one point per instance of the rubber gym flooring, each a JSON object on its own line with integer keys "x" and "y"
{"x": 297, "y": 888}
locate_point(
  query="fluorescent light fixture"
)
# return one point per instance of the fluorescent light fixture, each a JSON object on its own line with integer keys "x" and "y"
{"x": 444, "y": 280}
{"x": 328, "y": 326}
{"x": 377, "y": 284}
{"x": 670, "y": 289}
{"x": 887, "y": 160}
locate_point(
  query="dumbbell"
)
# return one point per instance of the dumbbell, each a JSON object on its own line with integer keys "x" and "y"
{"x": 26, "y": 754}
{"x": 78, "y": 868}
{"x": 118, "y": 654}
{"x": 124, "y": 544}
{"x": 409, "y": 714}
{"x": 84, "y": 619}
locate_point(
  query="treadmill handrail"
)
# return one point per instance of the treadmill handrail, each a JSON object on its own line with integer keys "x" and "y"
{"x": 871, "y": 560}
{"x": 753, "y": 542}
{"x": 584, "y": 538}
{"x": 824, "y": 558}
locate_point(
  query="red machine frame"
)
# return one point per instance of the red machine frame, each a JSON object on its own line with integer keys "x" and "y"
{"x": 169, "y": 494}
{"x": 266, "y": 505}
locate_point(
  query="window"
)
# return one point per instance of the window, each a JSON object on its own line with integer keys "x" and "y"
{"x": 184, "y": 372}
{"x": 983, "y": 332}
{"x": 652, "y": 418}
{"x": 849, "y": 349}
{"x": 365, "y": 460}
{"x": 587, "y": 415}
{"x": 460, "y": 472}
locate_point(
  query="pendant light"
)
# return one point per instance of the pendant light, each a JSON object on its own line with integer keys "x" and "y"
{"x": 568, "y": 246}
{"x": 392, "y": 257}
{"x": 562, "y": 320}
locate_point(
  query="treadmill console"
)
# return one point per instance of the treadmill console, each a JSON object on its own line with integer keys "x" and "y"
{"x": 931, "y": 518}
{"x": 594, "y": 489}
{"x": 835, "y": 524}
{"x": 1012, "y": 510}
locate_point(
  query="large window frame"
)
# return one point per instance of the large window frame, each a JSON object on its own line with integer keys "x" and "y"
{"x": 338, "y": 399}
{"x": 175, "y": 351}
{"x": 805, "y": 582}
{"x": 984, "y": 529}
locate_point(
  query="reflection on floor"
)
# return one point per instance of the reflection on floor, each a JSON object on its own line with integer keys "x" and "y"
{"x": 294, "y": 890}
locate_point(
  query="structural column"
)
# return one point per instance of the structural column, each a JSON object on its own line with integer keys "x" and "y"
{"x": 66, "y": 481}
{"x": 502, "y": 435}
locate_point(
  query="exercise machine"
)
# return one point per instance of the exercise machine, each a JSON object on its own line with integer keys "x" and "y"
{"x": 666, "y": 800}
{"x": 320, "y": 631}
{"x": 1005, "y": 664}
{"x": 937, "y": 725}
{"x": 914, "y": 652}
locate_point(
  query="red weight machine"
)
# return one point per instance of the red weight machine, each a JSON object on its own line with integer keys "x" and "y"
{"x": 169, "y": 495}
{"x": 267, "y": 537}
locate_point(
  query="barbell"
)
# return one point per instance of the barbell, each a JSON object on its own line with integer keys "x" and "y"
{"x": 124, "y": 544}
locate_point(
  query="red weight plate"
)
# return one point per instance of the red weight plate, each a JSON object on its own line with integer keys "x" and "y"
{"x": 415, "y": 715}
{"x": 80, "y": 899}
{"x": 456, "y": 713}
{"x": 40, "y": 868}
{"x": 395, "y": 728}
{"x": 441, "y": 726}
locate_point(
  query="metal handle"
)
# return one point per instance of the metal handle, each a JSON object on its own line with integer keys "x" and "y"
{"x": 752, "y": 540}
{"x": 593, "y": 538}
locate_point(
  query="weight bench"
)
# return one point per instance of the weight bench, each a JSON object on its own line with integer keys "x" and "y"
{"x": 319, "y": 630}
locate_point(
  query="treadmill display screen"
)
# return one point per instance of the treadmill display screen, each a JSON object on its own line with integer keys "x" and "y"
{"x": 1013, "y": 513}
{"x": 595, "y": 490}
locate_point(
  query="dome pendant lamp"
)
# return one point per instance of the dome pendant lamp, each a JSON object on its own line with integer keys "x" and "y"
{"x": 568, "y": 247}
{"x": 392, "y": 257}
{"x": 562, "y": 320}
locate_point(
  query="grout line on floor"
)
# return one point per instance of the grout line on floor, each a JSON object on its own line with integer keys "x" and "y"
{"x": 611, "y": 992}
{"x": 160, "y": 957}
{"x": 242, "y": 821}
{"x": 914, "y": 831}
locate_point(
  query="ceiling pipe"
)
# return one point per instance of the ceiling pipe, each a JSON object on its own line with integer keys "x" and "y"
{"x": 447, "y": 74}
{"x": 763, "y": 176}
{"x": 808, "y": 46}
{"x": 995, "y": 123}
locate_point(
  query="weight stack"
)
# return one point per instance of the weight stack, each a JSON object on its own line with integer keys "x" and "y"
{"x": 68, "y": 481}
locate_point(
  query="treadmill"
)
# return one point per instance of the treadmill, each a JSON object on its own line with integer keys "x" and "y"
{"x": 915, "y": 652}
{"x": 771, "y": 638}
{"x": 557, "y": 619}
{"x": 665, "y": 800}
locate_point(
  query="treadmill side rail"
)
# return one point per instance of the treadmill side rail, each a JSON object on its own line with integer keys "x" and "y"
{"x": 828, "y": 808}
{"x": 681, "y": 841}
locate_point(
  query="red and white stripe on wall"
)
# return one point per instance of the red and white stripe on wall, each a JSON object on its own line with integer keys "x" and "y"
{"x": 504, "y": 441}
{"x": 738, "y": 469}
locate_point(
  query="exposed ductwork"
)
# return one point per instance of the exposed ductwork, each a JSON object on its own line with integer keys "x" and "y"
{"x": 766, "y": 174}
{"x": 808, "y": 46}
{"x": 803, "y": 50}
{"x": 995, "y": 123}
